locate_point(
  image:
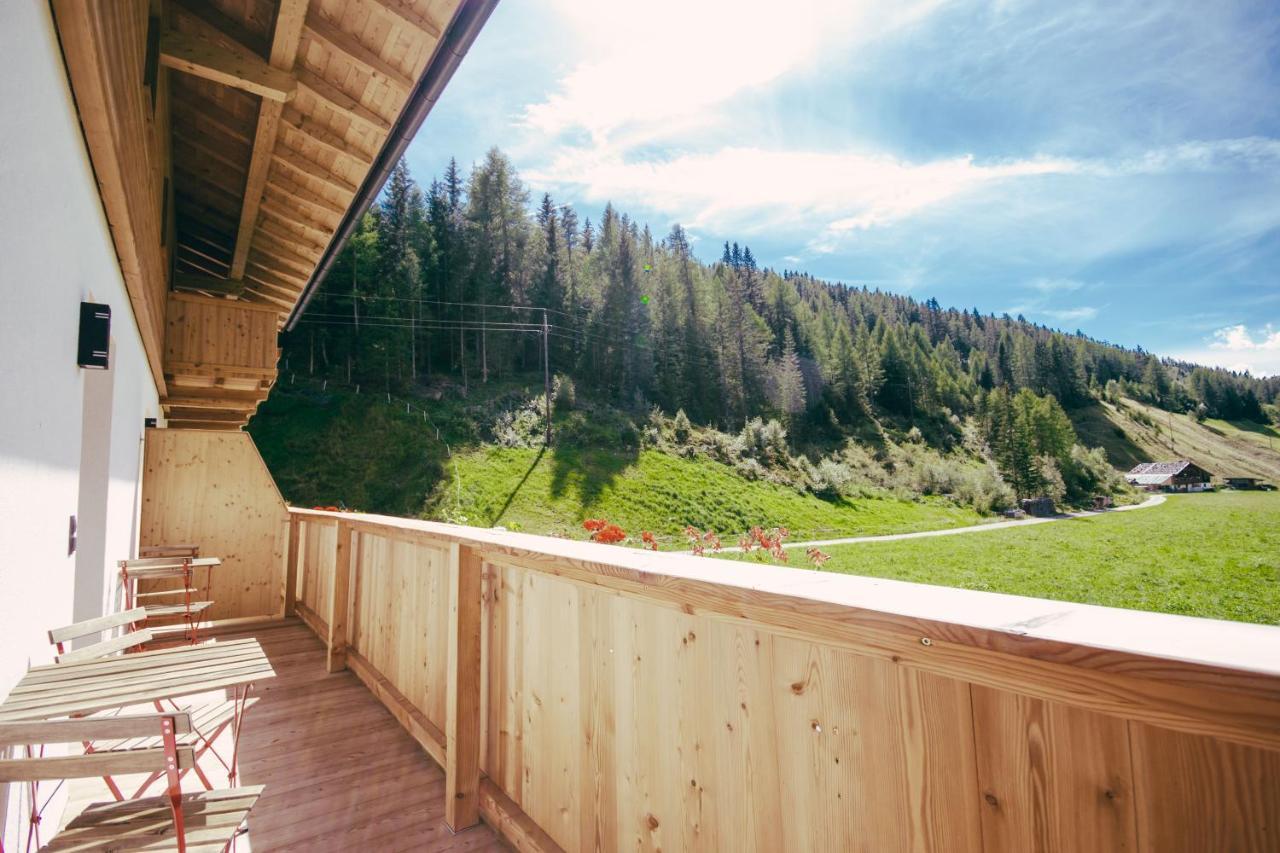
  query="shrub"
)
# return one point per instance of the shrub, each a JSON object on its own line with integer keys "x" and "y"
{"x": 681, "y": 428}
{"x": 1087, "y": 473}
{"x": 564, "y": 393}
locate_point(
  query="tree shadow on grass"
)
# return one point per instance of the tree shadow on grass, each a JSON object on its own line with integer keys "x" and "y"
{"x": 589, "y": 471}
{"x": 511, "y": 497}
{"x": 1260, "y": 429}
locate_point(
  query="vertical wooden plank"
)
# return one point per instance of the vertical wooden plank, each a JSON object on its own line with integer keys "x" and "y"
{"x": 343, "y": 556}
{"x": 598, "y": 753}
{"x": 291, "y": 568}
{"x": 504, "y": 668}
{"x": 1198, "y": 793}
{"x": 550, "y": 745}
{"x": 738, "y": 726}
{"x": 462, "y": 728}
{"x": 942, "y": 790}
{"x": 1052, "y": 777}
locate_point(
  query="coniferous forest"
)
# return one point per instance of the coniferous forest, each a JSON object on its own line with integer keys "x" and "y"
{"x": 465, "y": 277}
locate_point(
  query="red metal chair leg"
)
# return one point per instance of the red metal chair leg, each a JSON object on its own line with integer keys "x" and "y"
{"x": 175, "y": 780}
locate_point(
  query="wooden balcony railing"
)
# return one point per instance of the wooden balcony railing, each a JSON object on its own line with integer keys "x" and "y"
{"x": 588, "y": 696}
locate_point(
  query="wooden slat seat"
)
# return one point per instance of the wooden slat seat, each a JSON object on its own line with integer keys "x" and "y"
{"x": 211, "y": 819}
{"x": 165, "y": 611}
{"x": 205, "y": 719}
{"x": 206, "y": 821}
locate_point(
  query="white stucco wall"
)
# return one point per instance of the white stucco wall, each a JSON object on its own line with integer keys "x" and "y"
{"x": 56, "y": 251}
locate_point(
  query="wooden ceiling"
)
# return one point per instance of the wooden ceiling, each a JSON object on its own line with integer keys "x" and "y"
{"x": 278, "y": 112}
{"x": 231, "y": 139}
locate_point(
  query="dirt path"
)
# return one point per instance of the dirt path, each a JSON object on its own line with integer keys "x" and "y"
{"x": 1154, "y": 500}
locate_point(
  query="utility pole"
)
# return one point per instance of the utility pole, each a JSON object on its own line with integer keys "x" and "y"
{"x": 546, "y": 371}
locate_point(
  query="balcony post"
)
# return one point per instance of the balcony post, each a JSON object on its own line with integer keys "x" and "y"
{"x": 462, "y": 725}
{"x": 291, "y": 568}
{"x": 344, "y": 556}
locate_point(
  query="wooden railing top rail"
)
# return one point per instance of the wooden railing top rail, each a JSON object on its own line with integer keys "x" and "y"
{"x": 1200, "y": 675}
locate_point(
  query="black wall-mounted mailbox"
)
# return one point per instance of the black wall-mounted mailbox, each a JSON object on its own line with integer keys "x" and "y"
{"x": 95, "y": 335}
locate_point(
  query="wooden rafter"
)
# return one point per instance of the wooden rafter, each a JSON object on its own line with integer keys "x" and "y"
{"x": 403, "y": 13}
{"x": 200, "y": 113}
{"x": 282, "y": 258}
{"x": 356, "y": 51}
{"x": 238, "y": 67}
{"x": 207, "y": 284}
{"x": 342, "y": 103}
{"x": 290, "y": 18}
{"x": 281, "y": 234}
{"x": 284, "y": 303}
{"x": 323, "y": 136}
{"x": 203, "y": 257}
{"x": 297, "y": 192}
{"x": 294, "y": 217}
{"x": 199, "y": 145}
{"x": 197, "y": 266}
{"x": 272, "y": 246}
{"x": 296, "y": 162}
{"x": 205, "y": 18}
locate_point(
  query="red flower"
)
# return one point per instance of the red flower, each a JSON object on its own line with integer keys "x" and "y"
{"x": 650, "y": 541}
{"x": 609, "y": 534}
{"x": 818, "y": 557}
{"x": 594, "y": 524}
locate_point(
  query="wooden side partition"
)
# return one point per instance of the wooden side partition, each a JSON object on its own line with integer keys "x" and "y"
{"x": 586, "y": 696}
{"x": 211, "y": 487}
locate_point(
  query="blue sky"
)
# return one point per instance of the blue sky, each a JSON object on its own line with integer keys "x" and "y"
{"x": 1112, "y": 166}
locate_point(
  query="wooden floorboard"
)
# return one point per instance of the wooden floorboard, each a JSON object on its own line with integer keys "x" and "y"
{"x": 340, "y": 773}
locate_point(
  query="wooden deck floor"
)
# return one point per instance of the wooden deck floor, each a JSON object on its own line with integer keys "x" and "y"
{"x": 340, "y": 773}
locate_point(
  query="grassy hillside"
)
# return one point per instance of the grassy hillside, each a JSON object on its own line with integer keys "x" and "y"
{"x": 334, "y": 447}
{"x": 552, "y": 492}
{"x": 1133, "y": 433}
{"x": 1214, "y": 555}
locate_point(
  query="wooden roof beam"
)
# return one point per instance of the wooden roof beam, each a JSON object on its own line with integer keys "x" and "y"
{"x": 404, "y": 13}
{"x": 342, "y": 103}
{"x": 356, "y": 51}
{"x": 277, "y": 232}
{"x": 323, "y": 136}
{"x": 207, "y": 20}
{"x": 296, "y": 217}
{"x": 297, "y": 192}
{"x": 207, "y": 284}
{"x": 284, "y": 50}
{"x": 236, "y": 67}
{"x": 296, "y": 162}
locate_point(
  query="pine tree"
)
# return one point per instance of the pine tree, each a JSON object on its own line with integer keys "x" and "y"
{"x": 788, "y": 381}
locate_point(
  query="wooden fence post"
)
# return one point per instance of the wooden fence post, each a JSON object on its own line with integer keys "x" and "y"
{"x": 291, "y": 568}
{"x": 343, "y": 557}
{"x": 462, "y": 723}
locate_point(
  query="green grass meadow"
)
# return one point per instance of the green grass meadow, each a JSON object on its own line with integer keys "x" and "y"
{"x": 552, "y": 492}
{"x": 1215, "y": 555}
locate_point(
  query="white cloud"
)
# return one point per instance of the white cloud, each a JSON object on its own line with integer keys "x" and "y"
{"x": 660, "y": 66}
{"x": 1057, "y": 285}
{"x": 1238, "y": 348}
{"x": 751, "y": 188}
{"x": 1071, "y": 315}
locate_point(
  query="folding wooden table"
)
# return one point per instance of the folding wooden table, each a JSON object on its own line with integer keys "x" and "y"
{"x": 83, "y": 687}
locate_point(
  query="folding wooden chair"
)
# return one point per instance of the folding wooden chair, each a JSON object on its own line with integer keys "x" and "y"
{"x": 131, "y": 639}
{"x": 210, "y": 719}
{"x": 158, "y": 604}
{"x": 207, "y": 821}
